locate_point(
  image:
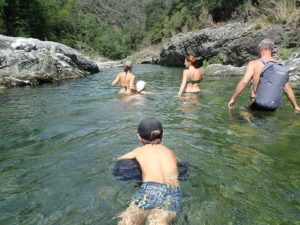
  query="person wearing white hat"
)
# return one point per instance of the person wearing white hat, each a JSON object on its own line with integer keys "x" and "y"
{"x": 141, "y": 86}
{"x": 126, "y": 79}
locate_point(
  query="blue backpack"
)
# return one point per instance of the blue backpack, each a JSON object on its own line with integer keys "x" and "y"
{"x": 270, "y": 89}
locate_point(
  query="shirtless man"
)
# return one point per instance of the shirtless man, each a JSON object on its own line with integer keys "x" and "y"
{"x": 159, "y": 197}
{"x": 253, "y": 71}
{"x": 191, "y": 77}
{"x": 126, "y": 79}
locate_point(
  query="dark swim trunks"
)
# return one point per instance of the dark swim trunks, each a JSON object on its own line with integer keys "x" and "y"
{"x": 255, "y": 107}
{"x": 155, "y": 195}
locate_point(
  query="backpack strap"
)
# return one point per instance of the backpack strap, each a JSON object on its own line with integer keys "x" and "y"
{"x": 267, "y": 67}
{"x": 262, "y": 61}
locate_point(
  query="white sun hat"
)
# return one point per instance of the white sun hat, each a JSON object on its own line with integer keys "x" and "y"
{"x": 140, "y": 85}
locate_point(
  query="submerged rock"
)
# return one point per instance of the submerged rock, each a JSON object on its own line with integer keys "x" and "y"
{"x": 28, "y": 61}
{"x": 222, "y": 70}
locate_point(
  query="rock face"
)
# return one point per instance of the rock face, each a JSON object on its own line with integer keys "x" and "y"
{"x": 31, "y": 62}
{"x": 294, "y": 66}
{"x": 149, "y": 55}
{"x": 233, "y": 44}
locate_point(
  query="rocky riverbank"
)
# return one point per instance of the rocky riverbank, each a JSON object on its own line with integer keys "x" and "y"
{"x": 33, "y": 62}
{"x": 28, "y": 61}
{"x": 233, "y": 44}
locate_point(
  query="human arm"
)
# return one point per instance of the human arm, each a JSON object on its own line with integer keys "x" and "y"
{"x": 129, "y": 155}
{"x": 242, "y": 84}
{"x": 201, "y": 76}
{"x": 291, "y": 96}
{"x": 115, "y": 81}
{"x": 131, "y": 84}
{"x": 183, "y": 83}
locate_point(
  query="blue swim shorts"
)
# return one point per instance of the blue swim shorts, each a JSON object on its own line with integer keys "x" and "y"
{"x": 155, "y": 195}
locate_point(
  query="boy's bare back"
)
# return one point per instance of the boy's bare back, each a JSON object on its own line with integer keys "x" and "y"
{"x": 158, "y": 163}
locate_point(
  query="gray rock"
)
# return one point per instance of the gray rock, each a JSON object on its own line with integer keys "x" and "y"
{"x": 233, "y": 44}
{"x": 223, "y": 70}
{"x": 294, "y": 66}
{"x": 31, "y": 62}
{"x": 149, "y": 55}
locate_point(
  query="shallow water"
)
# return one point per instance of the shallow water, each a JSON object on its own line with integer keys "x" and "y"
{"x": 59, "y": 142}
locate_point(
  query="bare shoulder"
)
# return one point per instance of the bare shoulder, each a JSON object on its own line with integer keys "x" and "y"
{"x": 138, "y": 150}
{"x": 120, "y": 74}
{"x": 185, "y": 71}
{"x": 168, "y": 149}
{"x": 254, "y": 63}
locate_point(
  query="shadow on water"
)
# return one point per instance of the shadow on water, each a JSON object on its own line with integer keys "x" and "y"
{"x": 59, "y": 142}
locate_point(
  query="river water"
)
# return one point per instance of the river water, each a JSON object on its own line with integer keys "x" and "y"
{"x": 58, "y": 144}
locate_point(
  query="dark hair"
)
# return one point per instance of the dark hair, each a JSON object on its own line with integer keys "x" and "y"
{"x": 127, "y": 68}
{"x": 191, "y": 59}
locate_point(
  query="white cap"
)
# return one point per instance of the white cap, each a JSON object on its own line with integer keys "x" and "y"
{"x": 140, "y": 85}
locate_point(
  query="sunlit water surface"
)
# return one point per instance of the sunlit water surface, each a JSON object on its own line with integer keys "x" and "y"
{"x": 59, "y": 142}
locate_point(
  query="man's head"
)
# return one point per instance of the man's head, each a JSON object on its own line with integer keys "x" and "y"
{"x": 266, "y": 44}
{"x": 150, "y": 131}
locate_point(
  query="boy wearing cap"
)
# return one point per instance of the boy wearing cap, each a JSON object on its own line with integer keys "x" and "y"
{"x": 126, "y": 79}
{"x": 253, "y": 72}
{"x": 159, "y": 197}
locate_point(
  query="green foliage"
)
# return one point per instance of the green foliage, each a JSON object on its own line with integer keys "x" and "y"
{"x": 279, "y": 11}
{"x": 176, "y": 21}
{"x": 258, "y": 26}
{"x": 22, "y": 18}
{"x": 116, "y": 28}
{"x": 155, "y": 13}
{"x": 214, "y": 60}
{"x": 286, "y": 53}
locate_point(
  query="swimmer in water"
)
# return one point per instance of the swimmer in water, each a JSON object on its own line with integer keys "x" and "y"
{"x": 191, "y": 77}
{"x": 159, "y": 197}
{"x": 126, "y": 79}
{"x": 141, "y": 88}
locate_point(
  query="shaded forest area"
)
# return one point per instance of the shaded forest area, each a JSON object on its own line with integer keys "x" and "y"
{"x": 116, "y": 28}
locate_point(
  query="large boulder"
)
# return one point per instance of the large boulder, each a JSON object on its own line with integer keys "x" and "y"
{"x": 294, "y": 66}
{"x": 233, "y": 44}
{"x": 28, "y": 61}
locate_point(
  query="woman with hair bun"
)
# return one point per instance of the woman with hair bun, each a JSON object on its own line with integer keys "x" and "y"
{"x": 126, "y": 79}
{"x": 191, "y": 77}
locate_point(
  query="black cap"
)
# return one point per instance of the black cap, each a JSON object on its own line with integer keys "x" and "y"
{"x": 150, "y": 129}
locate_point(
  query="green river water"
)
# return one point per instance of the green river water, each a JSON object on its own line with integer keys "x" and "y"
{"x": 58, "y": 144}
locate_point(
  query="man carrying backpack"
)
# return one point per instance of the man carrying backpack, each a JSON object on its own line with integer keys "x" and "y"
{"x": 269, "y": 81}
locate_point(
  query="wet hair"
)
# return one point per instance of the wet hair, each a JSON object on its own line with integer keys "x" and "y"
{"x": 191, "y": 59}
{"x": 127, "y": 68}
